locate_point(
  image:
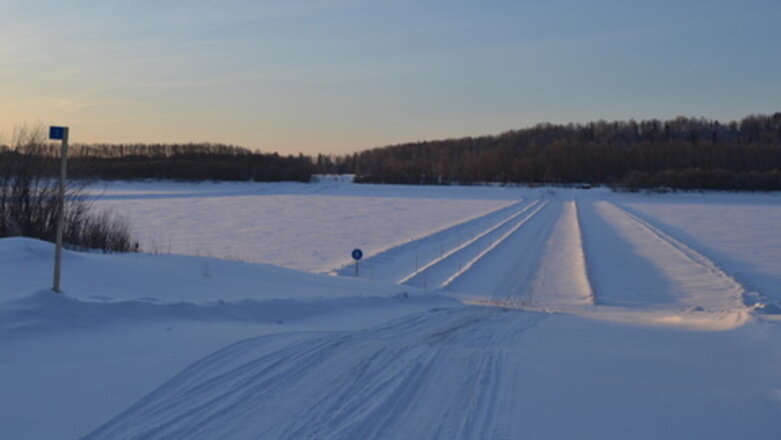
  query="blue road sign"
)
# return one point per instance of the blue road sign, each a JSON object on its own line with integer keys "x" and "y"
{"x": 357, "y": 254}
{"x": 57, "y": 133}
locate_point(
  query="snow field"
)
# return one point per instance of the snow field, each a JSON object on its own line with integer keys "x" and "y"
{"x": 298, "y": 226}
{"x": 604, "y": 316}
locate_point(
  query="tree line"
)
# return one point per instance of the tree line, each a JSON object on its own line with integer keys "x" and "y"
{"x": 196, "y": 162}
{"x": 687, "y": 153}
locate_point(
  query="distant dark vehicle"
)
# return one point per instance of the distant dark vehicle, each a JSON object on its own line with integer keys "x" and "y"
{"x": 583, "y": 186}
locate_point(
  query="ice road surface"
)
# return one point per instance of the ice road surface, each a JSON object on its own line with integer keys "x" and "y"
{"x": 516, "y": 313}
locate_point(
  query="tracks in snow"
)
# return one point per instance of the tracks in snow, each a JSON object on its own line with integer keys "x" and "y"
{"x": 541, "y": 266}
{"x": 449, "y": 373}
{"x": 461, "y": 246}
{"x": 442, "y": 271}
{"x": 560, "y": 254}
{"x": 402, "y": 261}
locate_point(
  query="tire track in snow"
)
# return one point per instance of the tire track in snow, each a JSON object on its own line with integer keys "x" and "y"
{"x": 466, "y": 243}
{"x": 495, "y": 244}
{"x": 448, "y": 269}
{"x": 439, "y": 374}
{"x": 543, "y": 266}
{"x": 506, "y": 273}
{"x": 699, "y": 282}
{"x": 398, "y": 261}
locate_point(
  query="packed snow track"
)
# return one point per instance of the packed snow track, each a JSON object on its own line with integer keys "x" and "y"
{"x": 563, "y": 254}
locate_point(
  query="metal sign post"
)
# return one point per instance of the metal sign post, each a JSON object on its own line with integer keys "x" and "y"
{"x": 60, "y": 133}
{"x": 357, "y": 255}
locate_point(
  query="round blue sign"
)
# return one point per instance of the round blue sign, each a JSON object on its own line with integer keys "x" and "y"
{"x": 357, "y": 254}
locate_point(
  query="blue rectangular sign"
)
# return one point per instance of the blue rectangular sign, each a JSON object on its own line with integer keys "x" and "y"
{"x": 56, "y": 132}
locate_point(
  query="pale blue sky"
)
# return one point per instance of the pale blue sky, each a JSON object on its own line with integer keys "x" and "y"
{"x": 342, "y": 75}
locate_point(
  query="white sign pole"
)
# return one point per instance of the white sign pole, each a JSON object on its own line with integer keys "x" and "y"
{"x": 61, "y": 209}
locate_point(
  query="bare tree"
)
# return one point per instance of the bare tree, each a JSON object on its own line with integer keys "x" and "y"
{"x": 28, "y": 199}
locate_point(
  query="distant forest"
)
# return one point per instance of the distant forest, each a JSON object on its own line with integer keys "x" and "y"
{"x": 188, "y": 162}
{"x": 195, "y": 162}
{"x": 682, "y": 153}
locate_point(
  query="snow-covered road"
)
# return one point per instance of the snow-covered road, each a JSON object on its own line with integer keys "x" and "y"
{"x": 560, "y": 253}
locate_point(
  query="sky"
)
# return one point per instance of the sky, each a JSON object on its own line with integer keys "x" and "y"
{"x": 337, "y": 76}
